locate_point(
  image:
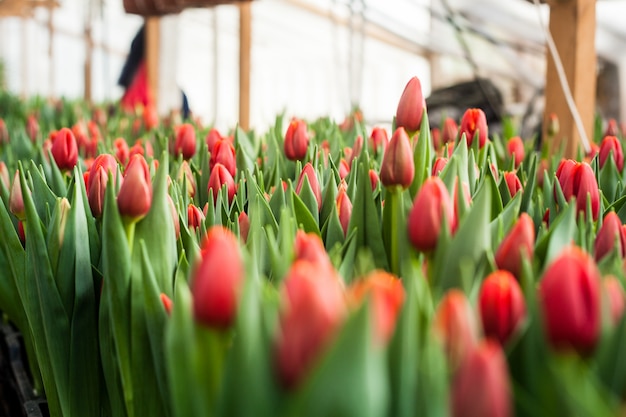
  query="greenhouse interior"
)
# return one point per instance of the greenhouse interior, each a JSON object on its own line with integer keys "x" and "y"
{"x": 312, "y": 208}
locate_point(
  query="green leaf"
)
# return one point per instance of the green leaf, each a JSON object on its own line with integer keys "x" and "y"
{"x": 304, "y": 217}
{"x": 562, "y": 233}
{"x": 422, "y": 157}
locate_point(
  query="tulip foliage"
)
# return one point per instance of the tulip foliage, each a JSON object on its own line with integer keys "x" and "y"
{"x": 160, "y": 268}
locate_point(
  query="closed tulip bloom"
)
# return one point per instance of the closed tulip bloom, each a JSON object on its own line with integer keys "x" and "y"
{"x": 224, "y": 153}
{"x": 16, "y": 200}
{"x": 122, "y": 152}
{"x": 296, "y": 140}
{"x": 344, "y": 208}
{"x": 308, "y": 172}
{"x": 431, "y": 206}
{"x": 97, "y": 182}
{"x": 244, "y": 226}
{"x": 378, "y": 140}
{"x": 135, "y": 196}
{"x": 217, "y": 280}
{"x": 4, "y": 133}
{"x": 513, "y": 183}
{"x": 439, "y": 165}
{"x": 435, "y": 137}
{"x": 517, "y": 245}
{"x": 502, "y": 305}
{"x": 615, "y": 295}
{"x": 32, "y": 128}
{"x": 611, "y": 233}
{"x": 374, "y": 180}
{"x": 564, "y": 173}
{"x": 313, "y": 310}
{"x": 586, "y": 184}
{"x": 185, "y": 174}
{"x": 397, "y": 168}
{"x": 212, "y": 137}
{"x": 481, "y": 386}
{"x": 310, "y": 248}
{"x": 515, "y": 149}
{"x": 455, "y": 325}
{"x": 344, "y": 168}
{"x": 4, "y": 175}
{"x": 611, "y": 129}
{"x": 474, "y": 120}
{"x": 220, "y": 176}
{"x": 569, "y": 295}
{"x": 411, "y": 106}
{"x": 386, "y": 295}
{"x": 450, "y": 130}
{"x": 185, "y": 140}
{"x": 610, "y": 145}
{"x": 357, "y": 148}
{"x": 65, "y": 150}
{"x": 195, "y": 217}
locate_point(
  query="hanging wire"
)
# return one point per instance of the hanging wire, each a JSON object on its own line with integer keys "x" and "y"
{"x": 563, "y": 81}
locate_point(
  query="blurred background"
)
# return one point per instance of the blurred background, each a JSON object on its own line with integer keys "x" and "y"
{"x": 307, "y": 57}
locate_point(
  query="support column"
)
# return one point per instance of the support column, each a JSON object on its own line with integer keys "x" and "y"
{"x": 245, "y": 46}
{"x": 573, "y": 27}
{"x": 152, "y": 56}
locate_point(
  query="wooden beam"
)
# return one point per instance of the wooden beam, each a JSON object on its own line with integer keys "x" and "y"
{"x": 573, "y": 27}
{"x": 245, "y": 47}
{"x": 152, "y": 56}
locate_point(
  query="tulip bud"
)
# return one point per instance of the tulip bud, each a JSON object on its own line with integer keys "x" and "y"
{"x": 378, "y": 140}
{"x": 64, "y": 149}
{"x": 194, "y": 217}
{"x": 97, "y": 181}
{"x": 513, "y": 183}
{"x": 244, "y": 226}
{"x": 4, "y": 133}
{"x": 185, "y": 141}
{"x": 184, "y": 173}
{"x": 373, "y": 179}
{"x": 344, "y": 168}
{"x": 386, "y": 297}
{"x": 553, "y": 125}
{"x": 224, "y": 153}
{"x": 516, "y": 246}
{"x": 122, "y": 153}
{"x": 435, "y": 137}
{"x": 220, "y": 176}
{"x": 481, "y": 386}
{"x": 32, "y": 128}
{"x": 296, "y": 140}
{"x": 474, "y": 120}
{"x": 431, "y": 205}
{"x": 611, "y": 146}
{"x": 308, "y": 172}
{"x": 585, "y": 183}
{"x": 609, "y": 234}
{"x": 502, "y": 305}
{"x": 450, "y": 130}
{"x": 344, "y": 208}
{"x": 212, "y": 137}
{"x": 309, "y": 247}
{"x": 611, "y": 128}
{"x": 135, "y": 196}
{"x": 455, "y": 325}
{"x": 218, "y": 279}
{"x": 313, "y": 310}
{"x": 515, "y": 149}
{"x": 411, "y": 106}
{"x": 167, "y": 303}
{"x": 16, "y": 200}
{"x": 4, "y": 175}
{"x": 569, "y": 295}
{"x": 615, "y": 295}
{"x": 356, "y": 149}
{"x": 439, "y": 165}
{"x": 397, "y": 168}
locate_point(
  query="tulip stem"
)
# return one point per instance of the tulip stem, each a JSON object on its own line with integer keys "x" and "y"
{"x": 392, "y": 214}
{"x": 129, "y": 226}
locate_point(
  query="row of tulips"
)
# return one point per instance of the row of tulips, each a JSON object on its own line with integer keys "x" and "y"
{"x": 163, "y": 269}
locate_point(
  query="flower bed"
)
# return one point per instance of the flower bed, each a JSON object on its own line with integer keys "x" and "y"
{"x": 165, "y": 269}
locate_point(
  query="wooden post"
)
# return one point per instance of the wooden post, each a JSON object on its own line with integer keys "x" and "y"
{"x": 152, "y": 56}
{"x": 88, "y": 62}
{"x": 573, "y": 27}
{"x": 51, "y": 50}
{"x": 245, "y": 46}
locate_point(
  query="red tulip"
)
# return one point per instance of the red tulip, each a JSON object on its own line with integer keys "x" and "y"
{"x": 386, "y": 297}
{"x": 397, "y": 168}
{"x": 435, "y": 137}
{"x": 450, "y": 130}
{"x": 481, "y": 386}
{"x": 308, "y": 172}
{"x": 455, "y": 325}
{"x": 502, "y": 305}
{"x": 378, "y": 140}
{"x": 212, "y": 137}
{"x": 356, "y": 149}
{"x": 513, "y": 183}
{"x": 310, "y": 248}
{"x": 220, "y": 176}
{"x": 615, "y": 295}
{"x": 543, "y": 167}
{"x": 313, "y": 310}
{"x": 32, "y": 128}
{"x": 122, "y": 153}
{"x": 244, "y": 226}
{"x": 431, "y": 205}
{"x": 224, "y": 153}
{"x": 516, "y": 246}
{"x": 218, "y": 279}
{"x": 296, "y": 140}
{"x": 4, "y": 175}
{"x": 610, "y": 233}
{"x": 16, "y": 199}
{"x": 611, "y": 128}
{"x": 4, "y": 133}
{"x": 64, "y": 149}
{"x": 135, "y": 196}
{"x": 439, "y": 165}
{"x": 344, "y": 168}
{"x": 570, "y": 299}
{"x": 578, "y": 180}
{"x": 20, "y": 232}
{"x": 373, "y": 179}
{"x": 97, "y": 182}
{"x": 474, "y": 120}
{"x": 515, "y": 149}
{"x": 185, "y": 140}
{"x": 611, "y": 145}
{"x": 411, "y": 106}
{"x": 195, "y": 217}
{"x": 344, "y": 208}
